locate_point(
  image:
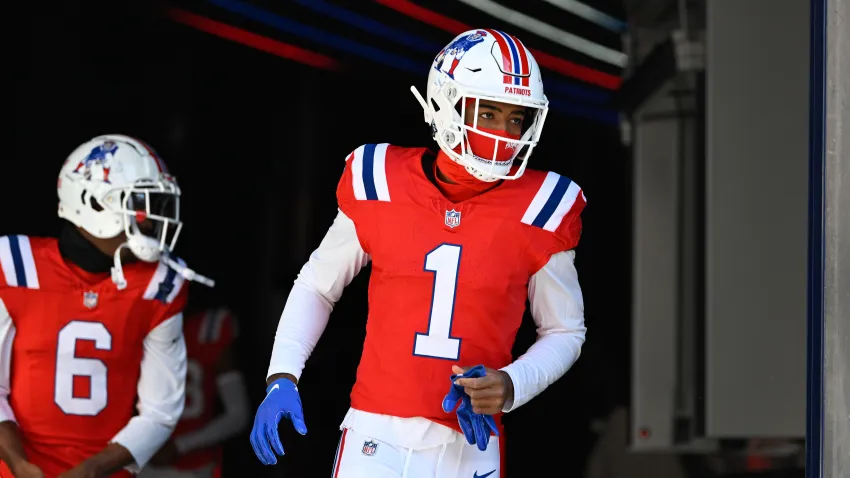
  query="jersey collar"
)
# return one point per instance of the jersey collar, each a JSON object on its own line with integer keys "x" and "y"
{"x": 77, "y": 250}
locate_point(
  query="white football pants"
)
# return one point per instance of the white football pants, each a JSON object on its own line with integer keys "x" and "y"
{"x": 359, "y": 456}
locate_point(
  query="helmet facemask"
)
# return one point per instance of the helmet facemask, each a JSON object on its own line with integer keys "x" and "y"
{"x": 152, "y": 225}
{"x": 151, "y": 218}
{"x": 150, "y": 212}
{"x": 448, "y": 109}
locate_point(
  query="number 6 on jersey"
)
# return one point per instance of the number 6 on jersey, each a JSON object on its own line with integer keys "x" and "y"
{"x": 444, "y": 262}
{"x": 69, "y": 365}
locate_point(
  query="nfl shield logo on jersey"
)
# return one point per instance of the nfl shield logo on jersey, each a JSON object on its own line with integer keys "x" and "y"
{"x": 369, "y": 448}
{"x": 90, "y": 300}
{"x": 453, "y": 218}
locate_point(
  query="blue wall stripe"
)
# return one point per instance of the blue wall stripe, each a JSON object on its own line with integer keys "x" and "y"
{"x": 319, "y": 36}
{"x": 576, "y": 92}
{"x": 369, "y": 25}
{"x": 599, "y": 115}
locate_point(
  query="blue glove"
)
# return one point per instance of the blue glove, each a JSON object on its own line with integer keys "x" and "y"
{"x": 476, "y": 427}
{"x": 282, "y": 400}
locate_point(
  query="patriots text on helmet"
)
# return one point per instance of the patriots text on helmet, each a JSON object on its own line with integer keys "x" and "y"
{"x": 514, "y": 90}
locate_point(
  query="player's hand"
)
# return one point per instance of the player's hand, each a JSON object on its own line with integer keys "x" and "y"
{"x": 488, "y": 393}
{"x": 166, "y": 455}
{"x": 476, "y": 427}
{"x": 25, "y": 469}
{"x": 282, "y": 400}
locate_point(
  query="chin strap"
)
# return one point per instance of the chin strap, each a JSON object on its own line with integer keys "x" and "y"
{"x": 187, "y": 273}
{"x": 117, "y": 271}
{"x": 121, "y": 282}
{"x": 423, "y": 103}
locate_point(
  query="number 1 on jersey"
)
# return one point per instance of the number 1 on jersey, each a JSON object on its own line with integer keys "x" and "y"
{"x": 444, "y": 262}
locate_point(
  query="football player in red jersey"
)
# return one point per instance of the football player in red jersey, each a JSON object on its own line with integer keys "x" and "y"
{"x": 195, "y": 448}
{"x": 91, "y": 322}
{"x": 458, "y": 241}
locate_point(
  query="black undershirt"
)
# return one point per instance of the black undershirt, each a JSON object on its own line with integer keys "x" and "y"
{"x": 78, "y": 250}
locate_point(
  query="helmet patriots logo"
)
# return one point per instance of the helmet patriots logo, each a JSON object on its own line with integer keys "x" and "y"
{"x": 97, "y": 157}
{"x": 457, "y": 49}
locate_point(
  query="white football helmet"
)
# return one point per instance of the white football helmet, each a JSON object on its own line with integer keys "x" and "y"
{"x": 115, "y": 183}
{"x": 484, "y": 65}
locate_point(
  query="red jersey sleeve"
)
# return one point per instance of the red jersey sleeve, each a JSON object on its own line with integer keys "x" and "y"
{"x": 555, "y": 212}
{"x": 345, "y": 189}
{"x": 17, "y": 262}
{"x": 569, "y": 230}
{"x": 364, "y": 189}
{"x": 365, "y": 177}
{"x": 177, "y": 305}
{"x": 168, "y": 293}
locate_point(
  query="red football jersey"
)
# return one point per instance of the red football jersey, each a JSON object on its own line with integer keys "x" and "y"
{"x": 449, "y": 280}
{"x": 78, "y": 346}
{"x": 208, "y": 335}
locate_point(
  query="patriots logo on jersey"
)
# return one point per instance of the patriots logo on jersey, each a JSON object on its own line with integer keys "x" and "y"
{"x": 453, "y": 218}
{"x": 370, "y": 448}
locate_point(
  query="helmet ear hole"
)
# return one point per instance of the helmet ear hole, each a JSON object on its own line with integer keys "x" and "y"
{"x": 95, "y": 204}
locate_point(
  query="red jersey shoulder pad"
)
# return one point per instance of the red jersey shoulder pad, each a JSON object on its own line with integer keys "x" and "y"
{"x": 17, "y": 262}
{"x": 558, "y": 201}
{"x": 366, "y": 171}
{"x": 165, "y": 284}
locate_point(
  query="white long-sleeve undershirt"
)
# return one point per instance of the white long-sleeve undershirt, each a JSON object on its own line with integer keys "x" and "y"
{"x": 161, "y": 391}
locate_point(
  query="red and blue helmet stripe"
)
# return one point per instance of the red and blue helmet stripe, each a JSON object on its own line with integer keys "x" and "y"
{"x": 514, "y": 58}
{"x": 160, "y": 165}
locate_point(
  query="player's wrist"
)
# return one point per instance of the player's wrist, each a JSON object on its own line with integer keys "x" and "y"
{"x": 91, "y": 468}
{"x": 12, "y": 458}
{"x": 274, "y": 378}
{"x": 11, "y": 447}
{"x": 108, "y": 461}
{"x": 16, "y": 463}
{"x": 509, "y": 389}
